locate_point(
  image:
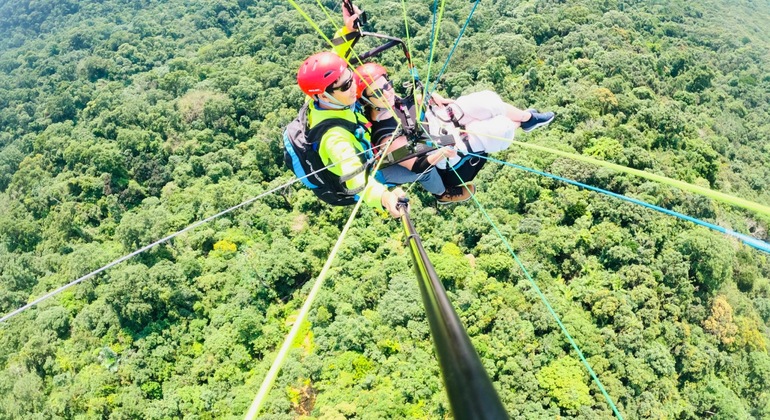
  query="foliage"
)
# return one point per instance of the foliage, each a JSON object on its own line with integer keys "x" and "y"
{"x": 122, "y": 122}
{"x": 565, "y": 382}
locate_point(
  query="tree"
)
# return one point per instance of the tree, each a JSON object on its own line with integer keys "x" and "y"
{"x": 712, "y": 398}
{"x": 401, "y": 303}
{"x": 710, "y": 258}
{"x": 117, "y": 128}
{"x": 720, "y": 323}
{"x": 565, "y": 383}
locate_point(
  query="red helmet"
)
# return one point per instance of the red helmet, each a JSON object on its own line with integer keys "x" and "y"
{"x": 369, "y": 72}
{"x": 319, "y": 72}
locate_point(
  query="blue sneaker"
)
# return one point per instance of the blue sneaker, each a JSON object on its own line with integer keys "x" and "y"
{"x": 538, "y": 120}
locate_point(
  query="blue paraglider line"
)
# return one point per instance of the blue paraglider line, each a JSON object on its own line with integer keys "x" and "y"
{"x": 748, "y": 240}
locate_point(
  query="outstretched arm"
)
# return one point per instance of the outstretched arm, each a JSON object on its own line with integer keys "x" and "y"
{"x": 351, "y": 18}
{"x": 346, "y": 36}
{"x": 435, "y": 98}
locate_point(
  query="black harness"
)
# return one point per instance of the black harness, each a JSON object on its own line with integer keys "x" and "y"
{"x": 463, "y": 134}
{"x": 418, "y": 142}
{"x": 337, "y": 182}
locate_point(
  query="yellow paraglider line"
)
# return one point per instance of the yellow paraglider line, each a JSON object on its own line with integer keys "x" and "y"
{"x": 696, "y": 189}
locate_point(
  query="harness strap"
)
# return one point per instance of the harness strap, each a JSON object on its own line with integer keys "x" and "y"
{"x": 403, "y": 153}
{"x": 348, "y": 177}
{"x": 354, "y": 191}
{"x": 358, "y": 130}
{"x": 415, "y": 149}
{"x": 463, "y": 134}
{"x": 352, "y": 36}
{"x": 409, "y": 125}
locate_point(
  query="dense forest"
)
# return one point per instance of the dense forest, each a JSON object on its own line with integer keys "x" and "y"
{"x": 123, "y": 122}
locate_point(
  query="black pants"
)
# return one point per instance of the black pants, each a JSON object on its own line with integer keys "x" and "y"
{"x": 467, "y": 169}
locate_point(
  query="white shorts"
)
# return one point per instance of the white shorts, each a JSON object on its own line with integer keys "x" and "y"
{"x": 483, "y": 115}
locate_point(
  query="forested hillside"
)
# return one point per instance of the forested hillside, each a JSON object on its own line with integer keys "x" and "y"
{"x": 123, "y": 122}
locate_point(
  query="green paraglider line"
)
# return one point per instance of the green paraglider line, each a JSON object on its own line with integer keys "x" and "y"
{"x": 272, "y": 374}
{"x": 412, "y": 70}
{"x": 546, "y": 302}
{"x": 454, "y": 47}
{"x": 435, "y": 32}
{"x": 275, "y": 367}
{"x": 326, "y": 12}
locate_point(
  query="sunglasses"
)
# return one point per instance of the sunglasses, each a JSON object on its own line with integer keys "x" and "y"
{"x": 343, "y": 87}
{"x": 379, "y": 93}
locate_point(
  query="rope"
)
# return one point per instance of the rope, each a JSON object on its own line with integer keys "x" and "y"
{"x": 696, "y": 189}
{"x": 412, "y": 71}
{"x": 547, "y": 304}
{"x": 326, "y": 12}
{"x": 314, "y": 25}
{"x": 272, "y": 374}
{"x": 457, "y": 41}
{"x": 434, "y": 35}
{"x": 275, "y": 368}
{"x": 748, "y": 240}
{"x": 158, "y": 242}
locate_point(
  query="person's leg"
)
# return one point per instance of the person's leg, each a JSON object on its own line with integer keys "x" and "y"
{"x": 486, "y": 105}
{"x": 515, "y": 114}
{"x": 529, "y": 119}
{"x": 537, "y": 119}
{"x": 492, "y": 135}
{"x": 478, "y": 106}
{"x": 398, "y": 175}
{"x": 432, "y": 181}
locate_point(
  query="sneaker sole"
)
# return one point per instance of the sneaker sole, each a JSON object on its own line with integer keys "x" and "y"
{"x": 527, "y": 130}
{"x": 458, "y": 201}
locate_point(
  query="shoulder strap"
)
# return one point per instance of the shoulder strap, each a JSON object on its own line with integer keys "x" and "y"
{"x": 456, "y": 122}
{"x": 352, "y": 36}
{"x": 314, "y": 137}
{"x": 409, "y": 126}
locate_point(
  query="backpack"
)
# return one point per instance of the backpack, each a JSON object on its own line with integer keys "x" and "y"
{"x": 301, "y": 156}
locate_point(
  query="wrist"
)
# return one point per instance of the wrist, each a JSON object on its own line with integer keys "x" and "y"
{"x": 384, "y": 199}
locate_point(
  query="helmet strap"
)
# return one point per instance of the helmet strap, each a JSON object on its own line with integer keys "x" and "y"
{"x": 371, "y": 104}
{"x": 366, "y": 100}
{"x": 334, "y": 104}
{"x": 382, "y": 114}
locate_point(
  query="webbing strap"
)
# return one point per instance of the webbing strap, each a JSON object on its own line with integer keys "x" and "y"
{"x": 463, "y": 134}
{"x": 410, "y": 125}
{"x": 345, "y": 38}
{"x": 404, "y": 153}
{"x": 348, "y": 177}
